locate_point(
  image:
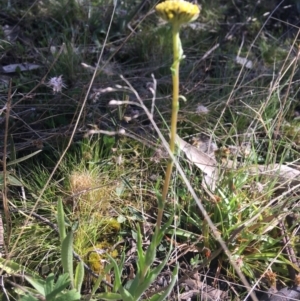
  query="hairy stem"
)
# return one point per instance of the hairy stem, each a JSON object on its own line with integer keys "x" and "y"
{"x": 177, "y": 51}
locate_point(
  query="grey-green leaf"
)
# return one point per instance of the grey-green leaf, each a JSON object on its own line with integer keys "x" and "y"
{"x": 108, "y": 296}
{"x": 61, "y": 220}
{"x": 79, "y": 276}
{"x": 67, "y": 256}
{"x": 37, "y": 284}
{"x": 23, "y": 158}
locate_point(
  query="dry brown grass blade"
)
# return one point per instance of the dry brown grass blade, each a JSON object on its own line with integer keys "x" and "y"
{"x": 4, "y": 160}
{"x": 206, "y": 163}
{"x": 2, "y": 242}
{"x": 284, "y": 175}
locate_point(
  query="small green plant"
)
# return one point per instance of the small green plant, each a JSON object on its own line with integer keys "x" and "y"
{"x": 66, "y": 286}
{"x": 60, "y": 290}
{"x": 67, "y": 251}
{"x": 145, "y": 275}
{"x": 51, "y": 290}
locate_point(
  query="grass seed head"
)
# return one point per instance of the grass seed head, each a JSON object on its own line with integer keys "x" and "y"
{"x": 81, "y": 180}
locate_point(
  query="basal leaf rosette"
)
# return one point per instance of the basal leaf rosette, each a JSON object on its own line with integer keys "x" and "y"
{"x": 177, "y": 12}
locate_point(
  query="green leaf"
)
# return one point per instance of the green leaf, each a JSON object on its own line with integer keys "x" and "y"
{"x": 79, "y": 276}
{"x": 13, "y": 268}
{"x": 37, "y": 284}
{"x": 13, "y": 181}
{"x": 160, "y": 202}
{"x": 61, "y": 220}
{"x": 163, "y": 230}
{"x": 63, "y": 280}
{"x": 168, "y": 290}
{"x": 149, "y": 279}
{"x": 28, "y": 297}
{"x": 49, "y": 285}
{"x": 99, "y": 280}
{"x": 108, "y": 296}
{"x": 13, "y": 155}
{"x": 151, "y": 251}
{"x": 71, "y": 295}
{"x": 140, "y": 251}
{"x": 117, "y": 273}
{"x": 140, "y": 263}
{"x": 67, "y": 256}
{"x": 62, "y": 283}
{"x": 182, "y": 233}
{"x": 126, "y": 296}
{"x": 155, "y": 241}
{"x": 23, "y": 158}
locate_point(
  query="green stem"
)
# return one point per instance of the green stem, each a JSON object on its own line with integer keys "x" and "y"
{"x": 175, "y": 107}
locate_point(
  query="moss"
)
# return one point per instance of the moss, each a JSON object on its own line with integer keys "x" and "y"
{"x": 113, "y": 225}
{"x": 95, "y": 257}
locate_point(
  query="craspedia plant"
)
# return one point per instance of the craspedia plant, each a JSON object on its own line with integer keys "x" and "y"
{"x": 178, "y": 11}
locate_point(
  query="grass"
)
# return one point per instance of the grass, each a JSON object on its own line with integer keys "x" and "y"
{"x": 109, "y": 183}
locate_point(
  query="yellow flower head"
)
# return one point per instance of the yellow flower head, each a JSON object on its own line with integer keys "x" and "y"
{"x": 177, "y": 11}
